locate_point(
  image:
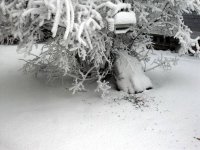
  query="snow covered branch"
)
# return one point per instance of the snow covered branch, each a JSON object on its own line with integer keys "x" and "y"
{"x": 81, "y": 44}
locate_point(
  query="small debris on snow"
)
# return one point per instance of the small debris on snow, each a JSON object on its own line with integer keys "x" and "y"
{"x": 139, "y": 100}
{"x": 197, "y": 138}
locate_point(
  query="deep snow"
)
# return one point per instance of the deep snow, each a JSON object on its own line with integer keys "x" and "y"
{"x": 35, "y": 116}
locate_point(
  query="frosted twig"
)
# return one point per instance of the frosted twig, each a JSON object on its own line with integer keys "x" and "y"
{"x": 57, "y": 18}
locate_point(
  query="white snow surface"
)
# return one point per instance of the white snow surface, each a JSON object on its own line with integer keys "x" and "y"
{"x": 36, "y": 116}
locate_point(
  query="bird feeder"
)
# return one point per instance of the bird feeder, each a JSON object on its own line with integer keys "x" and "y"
{"x": 121, "y": 22}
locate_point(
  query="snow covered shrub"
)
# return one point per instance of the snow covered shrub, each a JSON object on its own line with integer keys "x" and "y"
{"x": 83, "y": 45}
{"x": 5, "y": 30}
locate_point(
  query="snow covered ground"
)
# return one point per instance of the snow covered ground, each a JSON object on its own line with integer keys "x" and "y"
{"x": 35, "y": 116}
